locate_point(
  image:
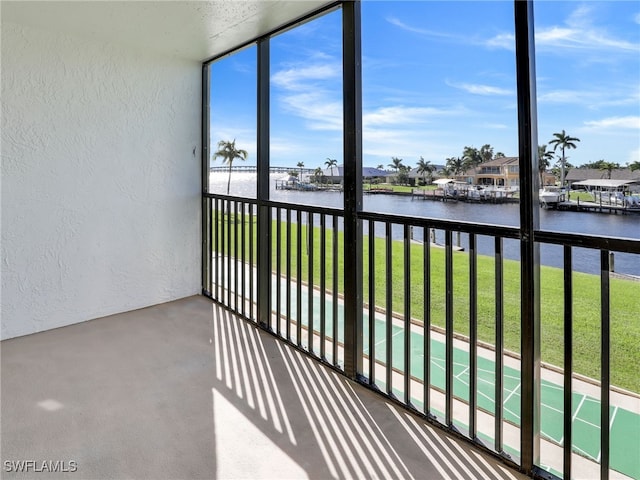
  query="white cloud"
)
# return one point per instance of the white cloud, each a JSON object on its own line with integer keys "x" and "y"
{"x": 422, "y": 31}
{"x": 578, "y": 32}
{"x": 311, "y": 92}
{"x": 380, "y": 144}
{"x": 634, "y": 156}
{"x": 567, "y": 96}
{"x": 502, "y": 40}
{"x": 478, "y": 89}
{"x": 631, "y": 122}
{"x": 403, "y": 116}
{"x": 583, "y": 38}
{"x": 322, "y": 112}
{"x": 298, "y": 78}
{"x": 636, "y": 18}
{"x": 612, "y": 96}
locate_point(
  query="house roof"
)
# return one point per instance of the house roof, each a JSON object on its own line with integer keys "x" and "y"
{"x": 498, "y": 162}
{"x": 338, "y": 171}
{"x": 605, "y": 182}
{"x": 580, "y": 174}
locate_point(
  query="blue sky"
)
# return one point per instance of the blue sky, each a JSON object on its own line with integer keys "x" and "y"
{"x": 438, "y": 76}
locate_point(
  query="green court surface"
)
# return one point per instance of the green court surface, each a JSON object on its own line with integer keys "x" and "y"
{"x": 624, "y": 425}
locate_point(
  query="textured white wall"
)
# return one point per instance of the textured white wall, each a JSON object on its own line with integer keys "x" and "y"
{"x": 100, "y": 182}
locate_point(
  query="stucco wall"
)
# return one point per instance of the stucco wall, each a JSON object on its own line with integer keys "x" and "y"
{"x": 100, "y": 179}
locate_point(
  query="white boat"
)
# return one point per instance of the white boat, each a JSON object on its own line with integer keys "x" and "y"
{"x": 550, "y": 196}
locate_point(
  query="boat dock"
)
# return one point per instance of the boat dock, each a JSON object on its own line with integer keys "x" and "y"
{"x": 466, "y": 195}
{"x": 601, "y": 207}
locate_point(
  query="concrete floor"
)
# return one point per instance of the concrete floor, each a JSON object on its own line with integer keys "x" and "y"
{"x": 185, "y": 390}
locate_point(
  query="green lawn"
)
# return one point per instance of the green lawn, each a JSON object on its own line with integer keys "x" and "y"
{"x": 398, "y": 188}
{"x": 625, "y": 308}
{"x": 580, "y": 195}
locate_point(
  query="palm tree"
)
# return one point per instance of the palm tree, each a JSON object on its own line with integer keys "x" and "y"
{"x": 472, "y": 157}
{"x": 608, "y": 167}
{"x": 396, "y": 163}
{"x": 317, "y": 174}
{"x": 330, "y": 163}
{"x": 456, "y": 165}
{"x": 634, "y": 166}
{"x": 544, "y": 161}
{"x": 397, "y": 166}
{"x": 564, "y": 142}
{"x": 300, "y": 165}
{"x": 424, "y": 169}
{"x": 486, "y": 153}
{"x": 228, "y": 152}
{"x": 380, "y": 167}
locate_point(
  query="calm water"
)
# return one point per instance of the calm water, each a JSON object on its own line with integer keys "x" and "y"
{"x": 243, "y": 184}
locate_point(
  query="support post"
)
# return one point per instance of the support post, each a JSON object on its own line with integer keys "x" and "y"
{"x": 529, "y": 223}
{"x": 204, "y": 163}
{"x": 352, "y": 149}
{"x": 264, "y": 210}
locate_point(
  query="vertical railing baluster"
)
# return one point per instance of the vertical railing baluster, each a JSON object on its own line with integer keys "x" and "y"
{"x": 568, "y": 361}
{"x": 243, "y": 270}
{"x": 473, "y": 335}
{"x": 299, "y": 279}
{"x": 407, "y": 314}
{"x": 278, "y": 269}
{"x": 252, "y": 244}
{"x": 223, "y": 256}
{"x": 209, "y": 245}
{"x": 389, "y": 308}
{"x": 235, "y": 256}
{"x": 207, "y": 250}
{"x": 426, "y": 315}
{"x": 606, "y": 366}
{"x": 216, "y": 235}
{"x": 499, "y": 362}
{"x": 448, "y": 243}
{"x": 229, "y": 253}
{"x": 310, "y": 286}
{"x": 288, "y": 261}
{"x": 372, "y": 303}
{"x": 323, "y": 284}
{"x": 335, "y": 291}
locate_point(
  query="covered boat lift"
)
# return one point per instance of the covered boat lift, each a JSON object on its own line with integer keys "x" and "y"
{"x": 612, "y": 192}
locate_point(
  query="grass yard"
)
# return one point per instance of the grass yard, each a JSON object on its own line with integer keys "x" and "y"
{"x": 581, "y": 195}
{"x": 625, "y": 308}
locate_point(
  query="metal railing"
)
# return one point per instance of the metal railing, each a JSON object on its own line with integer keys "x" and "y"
{"x": 420, "y": 336}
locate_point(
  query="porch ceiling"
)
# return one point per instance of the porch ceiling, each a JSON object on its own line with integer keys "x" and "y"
{"x": 195, "y": 30}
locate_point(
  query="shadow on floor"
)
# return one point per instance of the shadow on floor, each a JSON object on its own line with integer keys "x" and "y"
{"x": 186, "y": 390}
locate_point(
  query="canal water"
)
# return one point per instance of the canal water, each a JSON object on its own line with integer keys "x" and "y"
{"x": 584, "y": 260}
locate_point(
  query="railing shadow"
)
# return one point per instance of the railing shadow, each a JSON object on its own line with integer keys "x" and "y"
{"x": 328, "y": 425}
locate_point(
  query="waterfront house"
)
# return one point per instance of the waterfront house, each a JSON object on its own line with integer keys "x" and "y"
{"x": 499, "y": 172}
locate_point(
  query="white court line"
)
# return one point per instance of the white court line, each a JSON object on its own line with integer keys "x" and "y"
{"x": 579, "y": 450}
{"x": 613, "y": 416}
{"x": 597, "y": 427}
{"x": 575, "y": 414}
{"x": 511, "y": 394}
{"x": 385, "y": 338}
